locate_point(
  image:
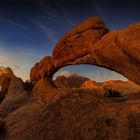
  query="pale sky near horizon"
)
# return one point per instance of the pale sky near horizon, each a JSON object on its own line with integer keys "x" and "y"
{"x": 29, "y": 29}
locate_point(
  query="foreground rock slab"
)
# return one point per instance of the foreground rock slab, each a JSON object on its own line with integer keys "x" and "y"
{"x": 75, "y": 115}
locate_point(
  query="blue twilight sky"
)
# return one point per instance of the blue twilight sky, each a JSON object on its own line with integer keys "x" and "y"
{"x": 29, "y": 29}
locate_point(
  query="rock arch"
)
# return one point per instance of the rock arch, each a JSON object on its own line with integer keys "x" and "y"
{"x": 91, "y": 43}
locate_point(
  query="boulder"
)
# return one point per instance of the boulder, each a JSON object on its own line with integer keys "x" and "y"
{"x": 6, "y": 72}
{"x": 91, "y": 85}
{"x": 42, "y": 69}
{"x": 78, "y": 42}
{"x": 15, "y": 98}
{"x": 5, "y": 77}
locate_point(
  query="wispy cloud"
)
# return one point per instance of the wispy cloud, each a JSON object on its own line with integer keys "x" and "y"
{"x": 56, "y": 12}
{"x": 65, "y": 14}
{"x": 48, "y": 31}
{"x": 101, "y": 7}
{"x": 12, "y": 22}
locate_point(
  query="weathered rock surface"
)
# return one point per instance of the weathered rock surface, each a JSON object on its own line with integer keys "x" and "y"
{"x": 123, "y": 87}
{"x": 5, "y": 76}
{"x": 42, "y": 69}
{"x": 44, "y": 90}
{"x": 15, "y": 98}
{"x": 75, "y": 115}
{"x": 13, "y": 94}
{"x": 78, "y": 42}
{"x": 6, "y": 72}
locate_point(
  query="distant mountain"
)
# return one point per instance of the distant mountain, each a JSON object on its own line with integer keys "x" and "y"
{"x": 72, "y": 81}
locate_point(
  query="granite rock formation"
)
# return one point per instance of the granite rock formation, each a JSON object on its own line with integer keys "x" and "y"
{"x": 13, "y": 93}
{"x": 91, "y": 43}
{"x": 5, "y": 76}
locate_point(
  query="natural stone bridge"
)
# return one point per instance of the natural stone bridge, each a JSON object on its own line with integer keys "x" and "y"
{"x": 91, "y": 43}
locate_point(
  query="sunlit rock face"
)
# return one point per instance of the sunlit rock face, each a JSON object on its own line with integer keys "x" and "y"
{"x": 6, "y": 71}
{"x": 76, "y": 44}
{"x": 5, "y": 75}
{"x": 123, "y": 87}
{"x": 91, "y": 85}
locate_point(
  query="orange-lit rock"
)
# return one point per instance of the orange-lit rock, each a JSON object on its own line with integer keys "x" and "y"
{"x": 91, "y": 85}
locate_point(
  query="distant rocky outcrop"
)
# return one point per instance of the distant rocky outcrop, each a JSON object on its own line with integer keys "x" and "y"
{"x": 5, "y": 76}
{"x": 89, "y": 84}
{"x": 72, "y": 81}
{"x": 104, "y": 88}
{"x": 13, "y": 93}
{"x": 6, "y": 72}
{"x": 110, "y": 88}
